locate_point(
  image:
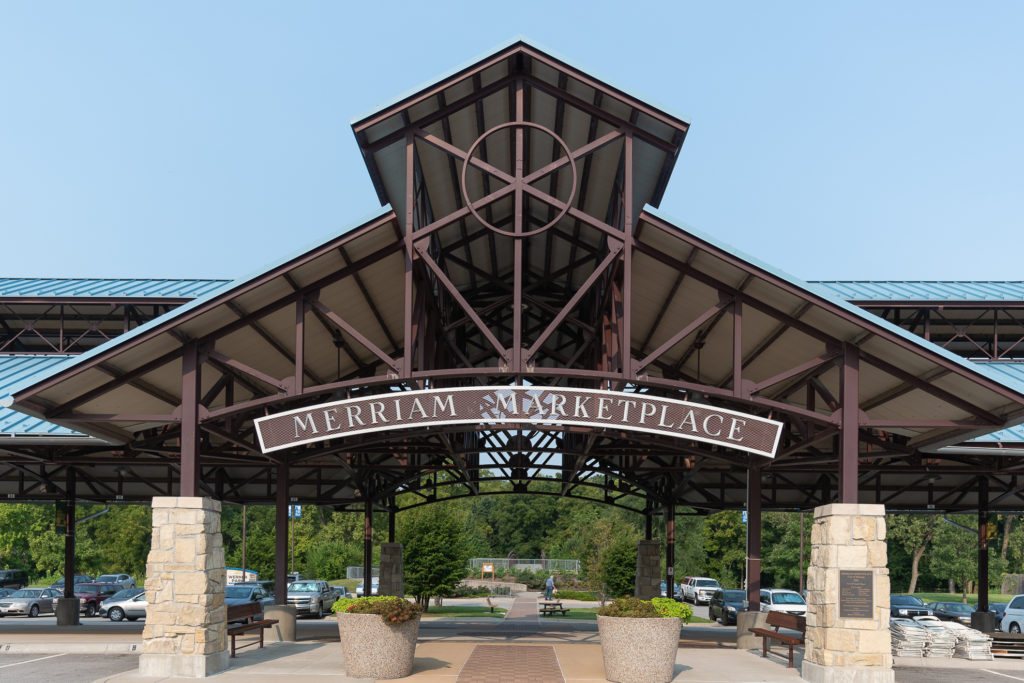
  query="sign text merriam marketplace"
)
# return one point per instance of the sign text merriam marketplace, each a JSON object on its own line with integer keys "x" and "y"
{"x": 531, "y": 406}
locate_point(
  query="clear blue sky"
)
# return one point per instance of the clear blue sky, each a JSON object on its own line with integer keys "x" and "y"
{"x": 833, "y": 140}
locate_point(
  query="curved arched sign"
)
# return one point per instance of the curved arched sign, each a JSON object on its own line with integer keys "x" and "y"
{"x": 529, "y": 406}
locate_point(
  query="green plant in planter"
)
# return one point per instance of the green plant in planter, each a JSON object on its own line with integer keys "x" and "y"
{"x": 636, "y": 608}
{"x": 391, "y": 608}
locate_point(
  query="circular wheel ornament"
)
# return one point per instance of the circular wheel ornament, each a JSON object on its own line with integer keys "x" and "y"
{"x": 519, "y": 179}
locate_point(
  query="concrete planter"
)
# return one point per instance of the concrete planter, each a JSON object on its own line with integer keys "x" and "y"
{"x": 372, "y": 649}
{"x": 639, "y": 650}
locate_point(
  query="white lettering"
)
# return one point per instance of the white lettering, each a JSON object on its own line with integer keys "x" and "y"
{"x": 507, "y": 403}
{"x": 602, "y": 408}
{"x": 331, "y": 418}
{"x": 644, "y": 413}
{"x": 398, "y": 410}
{"x": 440, "y": 403}
{"x": 417, "y": 407}
{"x": 377, "y": 412}
{"x": 734, "y": 429}
{"x": 661, "y": 420}
{"x": 691, "y": 420}
{"x": 558, "y": 404}
{"x": 353, "y": 415}
{"x": 625, "y": 410}
{"x": 581, "y": 407}
{"x": 708, "y": 419}
{"x": 536, "y": 407}
{"x": 311, "y": 425}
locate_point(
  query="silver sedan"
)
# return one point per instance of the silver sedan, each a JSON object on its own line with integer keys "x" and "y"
{"x": 130, "y": 608}
{"x": 29, "y": 601}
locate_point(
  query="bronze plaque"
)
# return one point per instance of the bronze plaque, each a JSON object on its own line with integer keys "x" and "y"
{"x": 856, "y": 594}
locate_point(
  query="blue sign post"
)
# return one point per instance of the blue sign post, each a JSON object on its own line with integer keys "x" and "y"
{"x": 744, "y": 516}
{"x": 296, "y": 511}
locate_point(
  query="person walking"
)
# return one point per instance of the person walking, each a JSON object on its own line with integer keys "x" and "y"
{"x": 549, "y": 586}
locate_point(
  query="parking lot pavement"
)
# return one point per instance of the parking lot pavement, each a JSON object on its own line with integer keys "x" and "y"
{"x": 979, "y": 673}
{"x": 67, "y": 668}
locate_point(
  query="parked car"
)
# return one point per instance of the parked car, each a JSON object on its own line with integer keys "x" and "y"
{"x": 311, "y": 597}
{"x": 237, "y": 595}
{"x": 908, "y": 606}
{"x": 13, "y": 578}
{"x": 952, "y": 611}
{"x": 79, "y": 578}
{"x": 700, "y": 589}
{"x": 267, "y": 586}
{"x": 998, "y": 609}
{"x": 1013, "y": 618}
{"x": 122, "y": 580}
{"x": 90, "y": 595}
{"x": 29, "y": 601}
{"x": 130, "y": 607}
{"x": 4, "y": 592}
{"x": 675, "y": 590}
{"x": 725, "y": 604}
{"x": 782, "y": 600}
{"x": 342, "y": 592}
{"x": 373, "y": 588}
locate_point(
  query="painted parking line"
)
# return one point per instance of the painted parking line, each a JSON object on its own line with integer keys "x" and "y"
{"x": 999, "y": 673}
{"x": 29, "y": 661}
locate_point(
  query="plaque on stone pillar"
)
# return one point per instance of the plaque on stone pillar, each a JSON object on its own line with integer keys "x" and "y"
{"x": 856, "y": 594}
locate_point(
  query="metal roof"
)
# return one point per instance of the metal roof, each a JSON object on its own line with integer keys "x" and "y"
{"x": 18, "y": 368}
{"x": 102, "y": 287}
{"x": 939, "y": 290}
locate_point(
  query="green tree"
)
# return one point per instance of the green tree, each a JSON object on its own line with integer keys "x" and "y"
{"x": 725, "y": 543}
{"x": 434, "y": 549}
{"x": 618, "y": 567}
{"x": 914, "y": 533}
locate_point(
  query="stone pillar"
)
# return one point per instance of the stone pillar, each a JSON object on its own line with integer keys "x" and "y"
{"x": 648, "y": 570}
{"x": 392, "y": 580}
{"x": 186, "y": 629}
{"x": 848, "y": 641}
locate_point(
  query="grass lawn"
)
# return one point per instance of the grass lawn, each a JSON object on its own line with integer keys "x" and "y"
{"x": 464, "y": 611}
{"x": 590, "y": 614}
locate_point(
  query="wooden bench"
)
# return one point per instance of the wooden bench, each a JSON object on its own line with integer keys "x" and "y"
{"x": 552, "y": 607}
{"x": 782, "y": 620}
{"x": 247, "y": 611}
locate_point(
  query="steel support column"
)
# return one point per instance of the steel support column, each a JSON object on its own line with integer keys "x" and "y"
{"x": 281, "y": 537}
{"x": 391, "y": 524}
{"x": 982, "y": 545}
{"x": 754, "y": 535}
{"x": 190, "y": 390}
{"x": 368, "y": 547}
{"x": 69, "y": 536}
{"x": 648, "y": 525}
{"x": 670, "y": 550}
{"x": 850, "y": 412}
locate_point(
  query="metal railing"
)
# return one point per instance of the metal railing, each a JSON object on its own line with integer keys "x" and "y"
{"x": 357, "y": 572}
{"x": 533, "y": 564}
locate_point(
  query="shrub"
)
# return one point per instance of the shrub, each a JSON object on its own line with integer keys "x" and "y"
{"x": 644, "y": 609}
{"x": 392, "y": 609}
{"x": 462, "y": 591}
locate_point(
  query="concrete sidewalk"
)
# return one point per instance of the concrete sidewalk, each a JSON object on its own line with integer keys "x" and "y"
{"x": 442, "y": 662}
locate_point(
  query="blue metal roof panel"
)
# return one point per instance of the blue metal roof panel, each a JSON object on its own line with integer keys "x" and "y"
{"x": 98, "y": 288}
{"x": 6, "y": 392}
{"x": 15, "y": 369}
{"x": 944, "y": 290}
{"x": 1012, "y": 382}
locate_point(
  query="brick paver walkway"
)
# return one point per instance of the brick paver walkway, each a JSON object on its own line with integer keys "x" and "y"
{"x": 511, "y": 664}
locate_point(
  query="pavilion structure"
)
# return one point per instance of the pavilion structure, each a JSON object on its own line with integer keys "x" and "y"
{"x": 519, "y": 261}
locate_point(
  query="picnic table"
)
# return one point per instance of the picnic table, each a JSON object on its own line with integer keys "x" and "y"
{"x": 551, "y": 607}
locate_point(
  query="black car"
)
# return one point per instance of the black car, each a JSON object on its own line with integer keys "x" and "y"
{"x": 908, "y": 607}
{"x": 13, "y": 578}
{"x": 952, "y": 611}
{"x": 726, "y": 603}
